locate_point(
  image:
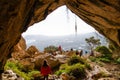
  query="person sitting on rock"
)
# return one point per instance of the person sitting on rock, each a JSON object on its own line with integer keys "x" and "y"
{"x": 45, "y": 70}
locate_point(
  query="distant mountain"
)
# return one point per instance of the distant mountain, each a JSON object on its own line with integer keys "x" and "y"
{"x": 67, "y": 42}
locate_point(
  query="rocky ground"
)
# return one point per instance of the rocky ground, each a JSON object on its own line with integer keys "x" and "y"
{"x": 32, "y": 58}
{"x": 111, "y": 70}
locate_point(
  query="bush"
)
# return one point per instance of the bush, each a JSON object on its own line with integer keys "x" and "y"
{"x": 77, "y": 59}
{"x": 104, "y": 51}
{"x": 33, "y": 74}
{"x": 75, "y": 67}
{"x": 13, "y": 65}
{"x": 74, "y": 60}
{"x": 106, "y": 60}
{"x": 77, "y": 70}
{"x": 93, "y": 59}
{"x": 60, "y": 72}
{"x": 17, "y": 68}
{"x": 63, "y": 66}
{"x": 51, "y": 49}
{"x": 21, "y": 74}
{"x": 118, "y": 60}
{"x": 103, "y": 59}
{"x": 62, "y": 69}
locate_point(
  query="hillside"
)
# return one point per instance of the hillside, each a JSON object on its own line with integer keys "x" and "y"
{"x": 67, "y": 42}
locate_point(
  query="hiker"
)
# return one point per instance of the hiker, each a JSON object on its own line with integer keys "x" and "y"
{"x": 60, "y": 49}
{"x": 86, "y": 52}
{"x": 81, "y": 53}
{"x": 92, "y": 53}
{"x": 45, "y": 70}
{"x": 71, "y": 49}
{"x": 77, "y": 52}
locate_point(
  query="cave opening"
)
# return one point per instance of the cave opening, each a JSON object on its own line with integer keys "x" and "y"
{"x": 61, "y": 27}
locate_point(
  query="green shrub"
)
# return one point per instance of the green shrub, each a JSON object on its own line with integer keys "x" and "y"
{"x": 77, "y": 70}
{"x": 63, "y": 66}
{"x": 59, "y": 72}
{"x": 93, "y": 59}
{"x": 10, "y": 65}
{"x": 75, "y": 59}
{"x": 51, "y": 49}
{"x": 106, "y": 60}
{"x": 103, "y": 59}
{"x": 33, "y": 74}
{"x": 75, "y": 67}
{"x": 62, "y": 69}
{"x": 88, "y": 66}
{"x": 22, "y": 74}
{"x": 13, "y": 65}
{"x": 104, "y": 51}
{"x": 17, "y": 68}
{"x": 118, "y": 60}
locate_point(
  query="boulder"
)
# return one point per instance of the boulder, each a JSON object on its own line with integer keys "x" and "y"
{"x": 27, "y": 64}
{"x": 19, "y": 50}
{"x": 62, "y": 58}
{"x": 99, "y": 72}
{"x": 64, "y": 76}
{"x": 32, "y": 50}
{"x": 20, "y": 55}
{"x": 52, "y": 61}
{"x": 10, "y": 75}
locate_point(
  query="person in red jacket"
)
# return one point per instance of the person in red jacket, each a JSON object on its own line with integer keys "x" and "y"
{"x": 45, "y": 70}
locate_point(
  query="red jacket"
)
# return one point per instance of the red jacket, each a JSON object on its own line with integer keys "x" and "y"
{"x": 45, "y": 70}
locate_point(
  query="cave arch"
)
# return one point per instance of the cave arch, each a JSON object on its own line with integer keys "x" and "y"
{"x": 17, "y": 15}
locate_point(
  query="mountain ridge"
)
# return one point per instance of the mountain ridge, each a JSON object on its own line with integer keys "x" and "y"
{"x": 67, "y": 42}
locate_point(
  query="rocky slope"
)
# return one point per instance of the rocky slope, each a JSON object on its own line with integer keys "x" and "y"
{"x": 31, "y": 58}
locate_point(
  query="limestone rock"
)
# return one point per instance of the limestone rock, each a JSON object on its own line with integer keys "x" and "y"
{"x": 32, "y": 50}
{"x": 21, "y": 45}
{"x": 62, "y": 58}
{"x": 98, "y": 72}
{"x": 65, "y": 76}
{"x": 52, "y": 61}
{"x": 10, "y": 75}
{"x": 19, "y": 50}
{"x": 20, "y": 55}
{"x": 31, "y": 58}
{"x": 27, "y": 64}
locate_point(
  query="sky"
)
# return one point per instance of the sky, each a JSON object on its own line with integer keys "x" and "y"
{"x": 60, "y": 22}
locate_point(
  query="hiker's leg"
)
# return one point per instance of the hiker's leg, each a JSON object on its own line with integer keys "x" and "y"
{"x": 46, "y": 77}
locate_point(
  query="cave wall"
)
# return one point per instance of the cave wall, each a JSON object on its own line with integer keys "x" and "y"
{"x": 13, "y": 21}
{"x": 17, "y": 15}
{"x": 103, "y": 15}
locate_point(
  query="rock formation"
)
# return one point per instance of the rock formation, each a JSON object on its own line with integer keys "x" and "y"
{"x": 31, "y": 58}
{"x": 10, "y": 75}
{"x": 17, "y": 15}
